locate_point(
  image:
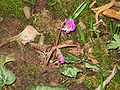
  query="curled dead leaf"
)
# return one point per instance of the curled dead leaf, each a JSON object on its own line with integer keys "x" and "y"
{"x": 112, "y": 13}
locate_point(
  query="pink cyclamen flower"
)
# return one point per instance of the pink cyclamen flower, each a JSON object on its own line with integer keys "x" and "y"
{"x": 61, "y": 59}
{"x": 69, "y": 26}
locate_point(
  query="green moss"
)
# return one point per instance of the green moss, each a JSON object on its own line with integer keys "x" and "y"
{"x": 91, "y": 82}
{"x": 12, "y": 7}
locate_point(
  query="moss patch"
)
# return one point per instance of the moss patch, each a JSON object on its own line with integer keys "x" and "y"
{"x": 12, "y": 7}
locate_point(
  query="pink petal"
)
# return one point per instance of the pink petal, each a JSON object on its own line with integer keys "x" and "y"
{"x": 61, "y": 59}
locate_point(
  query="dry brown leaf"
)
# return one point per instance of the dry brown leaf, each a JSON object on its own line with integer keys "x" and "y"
{"x": 94, "y": 61}
{"x": 27, "y": 12}
{"x": 112, "y": 13}
{"x": 27, "y": 35}
{"x": 75, "y": 51}
{"x": 100, "y": 9}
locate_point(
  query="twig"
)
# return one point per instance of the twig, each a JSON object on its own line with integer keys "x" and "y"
{"x": 9, "y": 40}
{"x": 92, "y": 4}
{"x": 64, "y": 46}
{"x": 50, "y": 54}
{"x": 109, "y": 78}
{"x": 59, "y": 34}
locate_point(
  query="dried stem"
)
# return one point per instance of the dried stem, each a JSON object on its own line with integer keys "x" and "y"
{"x": 109, "y": 78}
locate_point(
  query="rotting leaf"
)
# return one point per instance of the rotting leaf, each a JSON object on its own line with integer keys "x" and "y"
{"x": 69, "y": 70}
{"x": 5, "y": 59}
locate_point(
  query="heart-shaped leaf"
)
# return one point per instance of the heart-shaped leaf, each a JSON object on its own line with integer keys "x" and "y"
{"x": 69, "y": 70}
{"x": 6, "y": 76}
{"x": 92, "y": 66}
{"x": 69, "y": 57}
{"x": 115, "y": 44}
{"x": 5, "y": 59}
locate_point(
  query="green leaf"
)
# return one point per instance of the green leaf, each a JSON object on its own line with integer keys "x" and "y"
{"x": 46, "y": 87}
{"x": 1, "y": 83}
{"x": 69, "y": 70}
{"x": 82, "y": 34}
{"x": 69, "y": 57}
{"x": 115, "y": 44}
{"x": 80, "y": 8}
{"x": 91, "y": 65}
{"x": 5, "y": 59}
{"x": 7, "y": 76}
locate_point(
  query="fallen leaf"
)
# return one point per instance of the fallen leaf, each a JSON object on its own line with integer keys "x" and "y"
{"x": 112, "y": 13}
{"x": 94, "y": 61}
{"x": 100, "y": 9}
{"x": 27, "y": 12}
{"x": 27, "y": 35}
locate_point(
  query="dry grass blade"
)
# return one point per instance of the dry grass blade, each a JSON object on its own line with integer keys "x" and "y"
{"x": 109, "y": 78}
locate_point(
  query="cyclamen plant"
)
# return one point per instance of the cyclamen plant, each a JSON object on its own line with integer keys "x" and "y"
{"x": 70, "y": 26}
